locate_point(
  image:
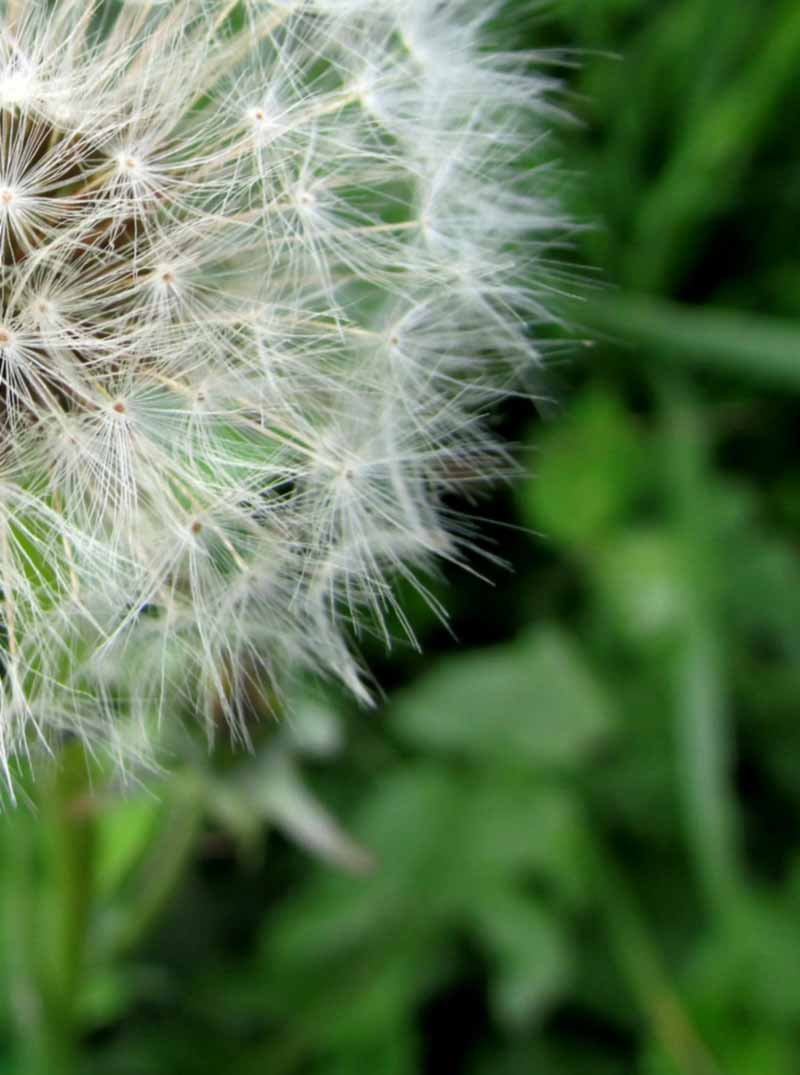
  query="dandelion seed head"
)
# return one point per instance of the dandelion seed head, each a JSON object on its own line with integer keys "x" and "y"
{"x": 265, "y": 266}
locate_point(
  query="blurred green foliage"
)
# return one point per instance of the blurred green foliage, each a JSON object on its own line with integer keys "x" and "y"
{"x": 569, "y": 841}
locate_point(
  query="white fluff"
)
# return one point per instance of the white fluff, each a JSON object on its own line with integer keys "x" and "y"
{"x": 264, "y": 266}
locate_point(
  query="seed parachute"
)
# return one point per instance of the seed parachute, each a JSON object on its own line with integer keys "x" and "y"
{"x": 265, "y": 270}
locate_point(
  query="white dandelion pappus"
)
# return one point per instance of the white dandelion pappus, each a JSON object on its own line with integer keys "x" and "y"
{"x": 261, "y": 274}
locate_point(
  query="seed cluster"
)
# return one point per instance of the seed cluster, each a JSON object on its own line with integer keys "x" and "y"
{"x": 59, "y": 227}
{"x": 261, "y": 279}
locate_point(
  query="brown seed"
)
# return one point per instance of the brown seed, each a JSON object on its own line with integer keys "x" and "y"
{"x": 119, "y": 407}
{"x": 196, "y": 527}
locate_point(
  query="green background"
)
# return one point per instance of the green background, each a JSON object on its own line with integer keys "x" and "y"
{"x": 572, "y": 827}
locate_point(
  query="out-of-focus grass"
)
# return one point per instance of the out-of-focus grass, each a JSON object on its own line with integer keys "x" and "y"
{"x": 584, "y": 820}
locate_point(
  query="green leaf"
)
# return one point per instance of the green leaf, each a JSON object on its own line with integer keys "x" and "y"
{"x": 531, "y": 956}
{"x": 641, "y": 580}
{"x": 413, "y": 824}
{"x": 521, "y": 826}
{"x": 530, "y": 703}
{"x": 752, "y": 960}
{"x": 589, "y": 471}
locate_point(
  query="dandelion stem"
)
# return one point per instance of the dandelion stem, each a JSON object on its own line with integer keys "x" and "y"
{"x": 163, "y": 868}
{"x": 47, "y": 886}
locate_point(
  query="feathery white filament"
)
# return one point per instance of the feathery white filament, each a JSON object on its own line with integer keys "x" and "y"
{"x": 259, "y": 280}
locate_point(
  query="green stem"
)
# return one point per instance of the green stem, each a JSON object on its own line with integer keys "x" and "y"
{"x": 67, "y": 815}
{"x": 750, "y": 348}
{"x": 642, "y": 965}
{"x": 706, "y": 169}
{"x": 21, "y": 936}
{"x": 702, "y": 718}
{"x": 160, "y": 874}
{"x": 48, "y": 895}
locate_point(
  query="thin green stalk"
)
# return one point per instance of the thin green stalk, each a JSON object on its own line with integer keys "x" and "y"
{"x": 642, "y": 965}
{"x": 750, "y": 347}
{"x": 158, "y": 877}
{"x": 708, "y": 164}
{"x": 701, "y": 718}
{"x": 21, "y": 969}
{"x": 48, "y": 896}
{"x": 68, "y": 827}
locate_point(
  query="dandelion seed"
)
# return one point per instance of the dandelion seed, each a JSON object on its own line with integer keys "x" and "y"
{"x": 263, "y": 267}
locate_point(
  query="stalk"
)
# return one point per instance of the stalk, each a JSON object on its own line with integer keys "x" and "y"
{"x": 641, "y": 963}
{"x": 703, "y": 730}
{"x": 48, "y": 903}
